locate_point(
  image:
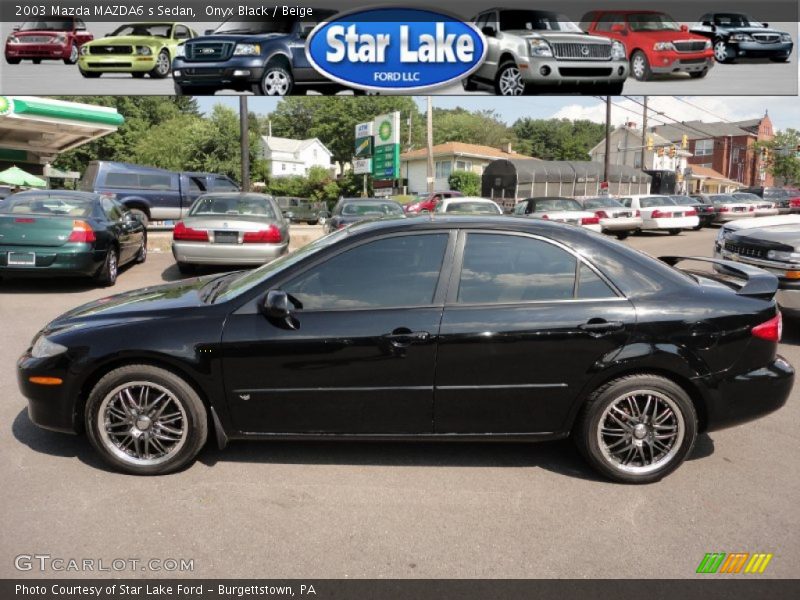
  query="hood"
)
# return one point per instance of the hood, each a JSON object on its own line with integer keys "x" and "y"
{"x": 779, "y": 237}
{"x": 127, "y": 40}
{"x": 131, "y": 305}
{"x": 750, "y": 30}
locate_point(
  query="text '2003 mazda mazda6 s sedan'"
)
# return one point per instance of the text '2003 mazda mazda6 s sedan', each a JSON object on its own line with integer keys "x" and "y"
{"x": 435, "y": 328}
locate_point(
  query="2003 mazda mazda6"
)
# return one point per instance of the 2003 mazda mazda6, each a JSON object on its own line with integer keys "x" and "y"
{"x": 436, "y": 328}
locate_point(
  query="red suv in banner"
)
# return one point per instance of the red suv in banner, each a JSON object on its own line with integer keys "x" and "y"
{"x": 655, "y": 43}
{"x": 58, "y": 39}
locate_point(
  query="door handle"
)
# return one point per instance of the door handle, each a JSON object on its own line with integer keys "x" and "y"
{"x": 405, "y": 337}
{"x": 601, "y": 326}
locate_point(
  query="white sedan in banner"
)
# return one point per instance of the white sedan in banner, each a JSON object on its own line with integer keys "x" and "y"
{"x": 615, "y": 218}
{"x": 764, "y": 208}
{"x": 468, "y": 205}
{"x": 661, "y": 213}
{"x": 555, "y": 208}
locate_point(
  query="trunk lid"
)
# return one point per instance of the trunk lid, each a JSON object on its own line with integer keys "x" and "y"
{"x": 34, "y": 230}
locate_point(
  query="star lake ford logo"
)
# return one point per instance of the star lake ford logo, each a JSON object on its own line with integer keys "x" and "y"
{"x": 395, "y": 49}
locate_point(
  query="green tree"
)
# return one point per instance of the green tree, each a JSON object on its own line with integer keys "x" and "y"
{"x": 557, "y": 139}
{"x": 466, "y": 182}
{"x": 784, "y": 162}
{"x": 473, "y": 127}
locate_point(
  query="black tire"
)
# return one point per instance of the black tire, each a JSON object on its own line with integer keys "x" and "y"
{"x": 698, "y": 74}
{"x": 163, "y": 65}
{"x": 89, "y": 74}
{"x": 698, "y": 227}
{"x": 138, "y": 75}
{"x": 193, "y": 419}
{"x": 141, "y": 256}
{"x": 74, "y": 55}
{"x": 640, "y": 66}
{"x": 621, "y": 235}
{"x": 593, "y": 431}
{"x": 312, "y": 222}
{"x": 144, "y": 219}
{"x": 107, "y": 275}
{"x": 186, "y": 268}
{"x": 195, "y": 90}
{"x": 469, "y": 84}
{"x": 508, "y": 81}
{"x": 276, "y": 81}
{"x": 37, "y": 61}
{"x": 674, "y": 231}
{"x": 722, "y": 52}
{"x": 13, "y": 61}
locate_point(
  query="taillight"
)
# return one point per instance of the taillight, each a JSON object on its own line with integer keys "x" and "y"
{"x": 24, "y": 220}
{"x": 187, "y": 234}
{"x": 545, "y": 217}
{"x": 770, "y": 330}
{"x": 589, "y": 221}
{"x": 751, "y": 209}
{"x": 270, "y": 235}
{"x": 690, "y": 213}
{"x": 657, "y": 214}
{"x": 724, "y": 209}
{"x": 601, "y": 214}
{"x": 794, "y": 202}
{"x": 82, "y": 233}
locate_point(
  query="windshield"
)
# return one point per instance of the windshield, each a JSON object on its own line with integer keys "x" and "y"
{"x": 65, "y": 25}
{"x": 249, "y": 279}
{"x": 353, "y": 209}
{"x": 535, "y": 20}
{"x": 684, "y": 200}
{"x": 144, "y": 29}
{"x": 652, "y": 22}
{"x": 656, "y": 201}
{"x": 46, "y": 205}
{"x": 249, "y": 206}
{"x": 484, "y": 208}
{"x": 549, "y": 204}
{"x": 735, "y": 20}
{"x": 256, "y": 27}
{"x": 777, "y": 193}
{"x": 722, "y": 199}
{"x": 747, "y": 197}
{"x": 602, "y": 203}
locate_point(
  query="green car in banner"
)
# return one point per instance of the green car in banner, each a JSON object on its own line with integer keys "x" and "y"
{"x": 135, "y": 48}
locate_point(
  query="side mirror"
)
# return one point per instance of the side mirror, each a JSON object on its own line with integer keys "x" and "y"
{"x": 684, "y": 28}
{"x": 276, "y": 305}
{"x": 80, "y": 27}
{"x": 489, "y": 31}
{"x": 15, "y": 28}
{"x": 208, "y": 32}
{"x": 765, "y": 25}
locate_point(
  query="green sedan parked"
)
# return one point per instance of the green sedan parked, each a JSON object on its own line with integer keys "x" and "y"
{"x": 136, "y": 48}
{"x": 56, "y": 232}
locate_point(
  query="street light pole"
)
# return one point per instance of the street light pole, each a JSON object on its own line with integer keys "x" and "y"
{"x": 430, "y": 147}
{"x": 607, "y": 162}
{"x": 244, "y": 136}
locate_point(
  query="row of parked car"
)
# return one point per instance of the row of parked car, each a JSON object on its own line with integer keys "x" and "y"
{"x": 526, "y": 49}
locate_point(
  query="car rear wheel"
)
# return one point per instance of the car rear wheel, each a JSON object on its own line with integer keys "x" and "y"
{"x": 89, "y": 74}
{"x": 73, "y": 55}
{"x": 146, "y": 420}
{"x": 640, "y": 66}
{"x": 163, "y": 65}
{"x": 107, "y": 275}
{"x": 508, "y": 81}
{"x": 277, "y": 81}
{"x": 637, "y": 429}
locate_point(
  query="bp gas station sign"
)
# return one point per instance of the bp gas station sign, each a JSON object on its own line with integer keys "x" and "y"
{"x": 386, "y": 157}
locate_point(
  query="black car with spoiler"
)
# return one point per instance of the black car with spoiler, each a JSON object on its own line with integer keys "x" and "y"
{"x": 433, "y": 328}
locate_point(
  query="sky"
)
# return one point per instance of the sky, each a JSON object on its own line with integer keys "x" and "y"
{"x": 783, "y": 110}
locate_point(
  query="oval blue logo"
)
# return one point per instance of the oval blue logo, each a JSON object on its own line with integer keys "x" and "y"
{"x": 395, "y": 49}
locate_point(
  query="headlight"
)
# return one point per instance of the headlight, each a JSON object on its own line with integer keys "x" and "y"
{"x": 617, "y": 50}
{"x": 144, "y": 50}
{"x": 247, "y": 50}
{"x": 741, "y": 37}
{"x": 663, "y": 46}
{"x": 785, "y": 256}
{"x": 708, "y": 45}
{"x": 180, "y": 51}
{"x": 42, "y": 348}
{"x": 84, "y": 50}
{"x": 785, "y": 37}
{"x": 539, "y": 48}
{"x": 13, "y": 39}
{"x": 59, "y": 39}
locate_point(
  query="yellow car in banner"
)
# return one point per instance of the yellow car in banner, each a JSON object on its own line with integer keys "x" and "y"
{"x": 136, "y": 48}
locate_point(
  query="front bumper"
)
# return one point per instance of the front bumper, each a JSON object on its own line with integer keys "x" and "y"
{"x": 759, "y": 50}
{"x": 44, "y": 51}
{"x": 239, "y": 72}
{"x": 125, "y": 63}
{"x": 52, "y": 407}
{"x": 681, "y": 62}
{"x": 80, "y": 262}
{"x": 202, "y": 253}
{"x": 550, "y": 71}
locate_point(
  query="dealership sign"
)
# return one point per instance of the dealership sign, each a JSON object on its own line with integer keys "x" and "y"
{"x": 362, "y": 166}
{"x": 395, "y": 49}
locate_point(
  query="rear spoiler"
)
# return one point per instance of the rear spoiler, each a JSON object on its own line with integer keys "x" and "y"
{"x": 758, "y": 282}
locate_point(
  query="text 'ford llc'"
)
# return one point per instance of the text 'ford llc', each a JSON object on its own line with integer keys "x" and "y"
{"x": 368, "y": 48}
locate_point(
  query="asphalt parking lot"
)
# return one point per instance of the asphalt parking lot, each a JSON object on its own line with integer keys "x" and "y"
{"x": 357, "y": 510}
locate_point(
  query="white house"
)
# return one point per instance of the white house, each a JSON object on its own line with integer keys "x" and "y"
{"x": 294, "y": 157}
{"x": 448, "y": 157}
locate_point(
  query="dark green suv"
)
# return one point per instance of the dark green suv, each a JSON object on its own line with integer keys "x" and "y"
{"x": 298, "y": 210}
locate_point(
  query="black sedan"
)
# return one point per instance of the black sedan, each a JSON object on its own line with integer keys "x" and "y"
{"x": 56, "y": 232}
{"x": 736, "y": 35}
{"x": 354, "y": 210}
{"x": 706, "y": 213}
{"x": 437, "y": 328}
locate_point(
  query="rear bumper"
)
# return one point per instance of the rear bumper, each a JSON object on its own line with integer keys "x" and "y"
{"x": 671, "y": 223}
{"x": 227, "y": 254}
{"x": 49, "y": 262}
{"x": 621, "y": 224}
{"x": 750, "y": 395}
{"x": 733, "y": 216}
{"x": 126, "y": 63}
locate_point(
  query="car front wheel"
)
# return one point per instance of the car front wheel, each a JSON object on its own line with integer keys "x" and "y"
{"x": 640, "y": 66}
{"x": 722, "y": 52}
{"x": 145, "y": 420}
{"x": 508, "y": 81}
{"x": 277, "y": 81}
{"x": 637, "y": 429}
{"x": 163, "y": 65}
{"x": 74, "y": 53}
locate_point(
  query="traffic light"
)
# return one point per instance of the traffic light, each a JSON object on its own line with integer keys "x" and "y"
{"x": 672, "y": 151}
{"x": 685, "y": 141}
{"x": 650, "y": 144}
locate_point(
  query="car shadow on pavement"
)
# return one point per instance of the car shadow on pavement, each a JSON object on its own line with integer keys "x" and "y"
{"x": 171, "y": 273}
{"x": 54, "y": 285}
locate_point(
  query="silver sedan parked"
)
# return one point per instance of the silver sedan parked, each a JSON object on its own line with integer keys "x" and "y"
{"x": 230, "y": 229}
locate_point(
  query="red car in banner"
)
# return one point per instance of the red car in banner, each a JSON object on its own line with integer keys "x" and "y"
{"x": 57, "y": 39}
{"x": 655, "y": 43}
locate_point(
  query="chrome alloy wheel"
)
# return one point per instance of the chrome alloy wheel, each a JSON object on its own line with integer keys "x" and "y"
{"x": 73, "y": 54}
{"x": 276, "y": 83}
{"x": 640, "y": 432}
{"x": 112, "y": 265}
{"x": 142, "y": 423}
{"x": 511, "y": 83}
{"x": 638, "y": 66}
{"x": 721, "y": 51}
{"x": 163, "y": 64}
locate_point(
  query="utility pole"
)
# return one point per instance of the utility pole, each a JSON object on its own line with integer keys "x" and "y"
{"x": 644, "y": 135}
{"x": 607, "y": 161}
{"x": 430, "y": 146}
{"x": 244, "y": 137}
